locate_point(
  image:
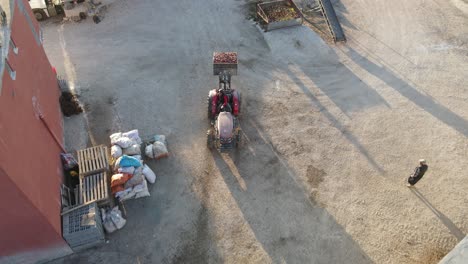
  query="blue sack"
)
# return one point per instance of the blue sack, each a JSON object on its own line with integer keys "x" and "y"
{"x": 127, "y": 161}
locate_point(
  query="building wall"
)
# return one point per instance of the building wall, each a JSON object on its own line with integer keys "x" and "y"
{"x": 29, "y": 155}
{"x": 24, "y": 226}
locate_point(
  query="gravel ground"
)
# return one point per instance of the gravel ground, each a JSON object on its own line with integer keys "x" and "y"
{"x": 331, "y": 132}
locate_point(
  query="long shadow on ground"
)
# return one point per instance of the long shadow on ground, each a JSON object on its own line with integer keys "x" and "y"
{"x": 440, "y": 112}
{"x": 334, "y": 121}
{"x": 287, "y": 221}
{"x": 444, "y": 219}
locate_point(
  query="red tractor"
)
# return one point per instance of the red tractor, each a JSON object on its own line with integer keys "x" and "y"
{"x": 224, "y": 105}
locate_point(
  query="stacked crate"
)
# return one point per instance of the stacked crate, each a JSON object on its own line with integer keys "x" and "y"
{"x": 82, "y": 227}
{"x": 94, "y": 188}
{"x": 93, "y": 160}
{"x": 94, "y": 177}
{"x": 268, "y": 23}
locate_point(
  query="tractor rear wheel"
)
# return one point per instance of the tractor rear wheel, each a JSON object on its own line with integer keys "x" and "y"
{"x": 240, "y": 102}
{"x": 210, "y": 139}
{"x": 239, "y": 138}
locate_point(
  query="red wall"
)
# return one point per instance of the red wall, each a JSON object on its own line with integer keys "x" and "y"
{"x": 23, "y": 227}
{"x": 29, "y": 156}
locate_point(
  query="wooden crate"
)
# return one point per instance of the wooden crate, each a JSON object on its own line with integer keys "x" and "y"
{"x": 268, "y": 25}
{"x": 94, "y": 188}
{"x": 228, "y": 67}
{"x": 93, "y": 160}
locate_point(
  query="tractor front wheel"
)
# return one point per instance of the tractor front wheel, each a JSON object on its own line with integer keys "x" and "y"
{"x": 239, "y": 138}
{"x": 39, "y": 14}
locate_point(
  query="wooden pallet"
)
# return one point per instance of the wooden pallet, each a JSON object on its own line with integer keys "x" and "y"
{"x": 94, "y": 188}
{"x": 93, "y": 160}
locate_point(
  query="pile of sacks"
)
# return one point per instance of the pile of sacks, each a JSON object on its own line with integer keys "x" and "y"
{"x": 128, "y": 143}
{"x": 130, "y": 173}
{"x": 158, "y": 149}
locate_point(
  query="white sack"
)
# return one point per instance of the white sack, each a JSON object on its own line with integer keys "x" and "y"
{"x": 149, "y": 174}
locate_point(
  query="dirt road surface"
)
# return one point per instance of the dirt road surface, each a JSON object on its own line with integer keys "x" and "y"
{"x": 331, "y": 131}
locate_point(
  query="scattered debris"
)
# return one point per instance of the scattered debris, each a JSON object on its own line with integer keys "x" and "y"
{"x": 77, "y": 11}
{"x": 69, "y": 104}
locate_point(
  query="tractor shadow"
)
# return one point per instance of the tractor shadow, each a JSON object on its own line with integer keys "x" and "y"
{"x": 285, "y": 219}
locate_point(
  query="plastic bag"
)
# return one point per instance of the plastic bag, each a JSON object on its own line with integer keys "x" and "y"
{"x": 116, "y": 177}
{"x": 137, "y": 178}
{"x": 134, "y": 149}
{"x": 117, "y": 188}
{"x": 128, "y": 161}
{"x": 68, "y": 161}
{"x": 138, "y": 157}
{"x": 149, "y": 151}
{"x": 124, "y": 142}
{"x": 114, "y": 137}
{"x": 133, "y": 134}
{"x": 141, "y": 190}
{"x": 117, "y": 164}
{"x": 127, "y": 194}
{"x": 134, "y": 181}
{"x": 138, "y": 191}
{"x": 159, "y": 150}
{"x": 123, "y": 193}
{"x": 107, "y": 222}
{"x": 119, "y": 179}
{"x": 116, "y": 151}
{"x": 149, "y": 174}
{"x": 109, "y": 226}
{"x": 160, "y": 138}
{"x": 116, "y": 218}
{"x": 128, "y": 170}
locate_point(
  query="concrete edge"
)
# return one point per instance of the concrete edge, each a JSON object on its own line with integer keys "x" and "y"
{"x": 458, "y": 255}
{"x": 39, "y": 255}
